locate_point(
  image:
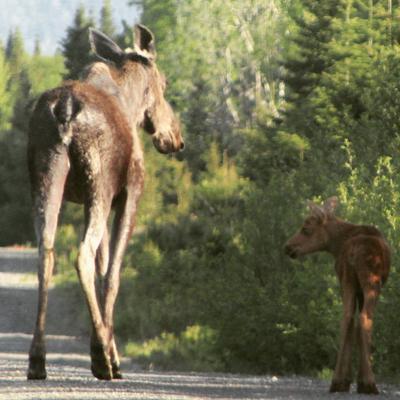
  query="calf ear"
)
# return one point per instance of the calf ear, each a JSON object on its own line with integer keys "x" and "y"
{"x": 144, "y": 42}
{"x": 316, "y": 211}
{"x": 104, "y": 47}
{"x": 331, "y": 204}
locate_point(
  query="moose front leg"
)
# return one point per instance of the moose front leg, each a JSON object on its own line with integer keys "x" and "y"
{"x": 342, "y": 377}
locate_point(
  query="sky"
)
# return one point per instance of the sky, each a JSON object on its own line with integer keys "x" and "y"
{"x": 47, "y": 20}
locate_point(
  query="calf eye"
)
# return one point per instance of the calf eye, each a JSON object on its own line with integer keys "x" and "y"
{"x": 306, "y": 231}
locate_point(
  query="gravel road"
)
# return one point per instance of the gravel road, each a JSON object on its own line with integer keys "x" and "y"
{"x": 68, "y": 364}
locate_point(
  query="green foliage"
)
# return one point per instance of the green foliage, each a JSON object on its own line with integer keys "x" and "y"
{"x": 15, "y": 207}
{"x": 106, "y": 20}
{"x": 217, "y": 80}
{"x": 22, "y": 79}
{"x": 5, "y": 95}
{"x": 45, "y": 72}
{"x": 193, "y": 350}
{"x": 76, "y": 46}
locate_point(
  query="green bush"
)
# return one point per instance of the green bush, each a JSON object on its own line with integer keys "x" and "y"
{"x": 192, "y": 350}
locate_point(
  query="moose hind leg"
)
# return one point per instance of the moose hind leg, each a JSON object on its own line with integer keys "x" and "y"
{"x": 366, "y": 379}
{"x": 102, "y": 263}
{"x": 102, "y": 259}
{"x": 123, "y": 225}
{"x": 47, "y": 198}
{"x": 96, "y": 219}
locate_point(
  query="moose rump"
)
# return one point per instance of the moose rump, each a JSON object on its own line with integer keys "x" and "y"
{"x": 89, "y": 137}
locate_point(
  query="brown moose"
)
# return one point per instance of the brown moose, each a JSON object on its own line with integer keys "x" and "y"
{"x": 84, "y": 147}
{"x": 362, "y": 263}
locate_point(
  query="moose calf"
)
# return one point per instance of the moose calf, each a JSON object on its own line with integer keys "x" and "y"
{"x": 362, "y": 262}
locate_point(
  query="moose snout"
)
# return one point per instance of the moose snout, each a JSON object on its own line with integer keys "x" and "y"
{"x": 290, "y": 250}
{"x": 182, "y": 146}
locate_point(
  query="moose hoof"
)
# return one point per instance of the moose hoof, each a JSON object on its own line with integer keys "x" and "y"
{"x": 116, "y": 372}
{"x": 340, "y": 386}
{"x": 103, "y": 374}
{"x": 37, "y": 369}
{"x": 367, "y": 388}
{"x": 101, "y": 366}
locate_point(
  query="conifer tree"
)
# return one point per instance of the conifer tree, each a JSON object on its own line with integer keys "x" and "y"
{"x": 75, "y": 46}
{"x": 5, "y": 95}
{"x": 159, "y": 16}
{"x": 19, "y": 83}
{"x": 106, "y": 19}
{"x": 15, "y": 51}
{"x": 306, "y": 57}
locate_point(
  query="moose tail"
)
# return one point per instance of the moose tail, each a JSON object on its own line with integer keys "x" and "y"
{"x": 64, "y": 110}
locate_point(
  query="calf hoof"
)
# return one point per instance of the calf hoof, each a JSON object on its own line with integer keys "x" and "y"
{"x": 101, "y": 366}
{"x": 337, "y": 386}
{"x": 37, "y": 369}
{"x": 367, "y": 388}
{"x": 116, "y": 371}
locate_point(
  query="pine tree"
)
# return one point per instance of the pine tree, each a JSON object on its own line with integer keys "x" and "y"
{"x": 76, "y": 47}
{"x": 15, "y": 51}
{"x": 106, "y": 19}
{"x": 19, "y": 83}
{"x": 159, "y": 16}
{"x": 5, "y": 95}
{"x": 306, "y": 57}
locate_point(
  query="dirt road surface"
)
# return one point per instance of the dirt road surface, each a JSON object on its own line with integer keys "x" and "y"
{"x": 68, "y": 364}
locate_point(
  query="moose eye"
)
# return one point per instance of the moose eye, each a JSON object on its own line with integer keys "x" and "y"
{"x": 306, "y": 231}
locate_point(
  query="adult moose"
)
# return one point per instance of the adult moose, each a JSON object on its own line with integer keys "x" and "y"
{"x": 84, "y": 147}
{"x": 362, "y": 265}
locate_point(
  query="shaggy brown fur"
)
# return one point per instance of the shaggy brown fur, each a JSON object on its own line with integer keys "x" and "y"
{"x": 84, "y": 147}
{"x": 362, "y": 265}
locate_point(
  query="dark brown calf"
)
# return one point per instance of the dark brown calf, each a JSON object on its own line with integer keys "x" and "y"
{"x": 84, "y": 147}
{"x": 362, "y": 263}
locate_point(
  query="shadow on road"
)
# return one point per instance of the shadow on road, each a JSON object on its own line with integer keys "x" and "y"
{"x": 68, "y": 363}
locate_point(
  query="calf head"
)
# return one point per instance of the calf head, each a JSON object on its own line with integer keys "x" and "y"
{"x": 156, "y": 116}
{"x": 313, "y": 236}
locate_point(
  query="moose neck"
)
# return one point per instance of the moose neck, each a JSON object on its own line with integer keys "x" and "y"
{"x": 128, "y": 87}
{"x": 338, "y": 233}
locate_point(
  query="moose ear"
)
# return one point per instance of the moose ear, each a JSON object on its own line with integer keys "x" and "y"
{"x": 317, "y": 211}
{"x": 144, "y": 42}
{"x": 330, "y": 205}
{"x": 104, "y": 47}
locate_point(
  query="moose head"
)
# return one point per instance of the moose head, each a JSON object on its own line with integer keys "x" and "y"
{"x": 314, "y": 235}
{"x": 133, "y": 77}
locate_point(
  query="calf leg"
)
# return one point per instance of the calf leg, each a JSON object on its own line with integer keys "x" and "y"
{"x": 96, "y": 214}
{"x": 343, "y": 375}
{"x": 366, "y": 380}
{"x": 47, "y": 189}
